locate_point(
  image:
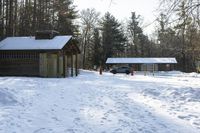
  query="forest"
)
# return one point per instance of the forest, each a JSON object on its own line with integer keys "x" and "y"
{"x": 100, "y": 36}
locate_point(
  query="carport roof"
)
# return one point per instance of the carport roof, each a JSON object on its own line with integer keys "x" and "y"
{"x": 141, "y": 61}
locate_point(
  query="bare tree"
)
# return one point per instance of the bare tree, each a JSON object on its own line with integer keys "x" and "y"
{"x": 183, "y": 17}
{"x": 89, "y": 19}
{"x": 192, "y": 8}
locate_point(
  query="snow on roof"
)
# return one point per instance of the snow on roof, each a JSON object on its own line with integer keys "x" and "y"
{"x": 141, "y": 61}
{"x": 30, "y": 43}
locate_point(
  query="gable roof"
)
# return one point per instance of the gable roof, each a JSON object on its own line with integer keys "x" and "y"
{"x": 30, "y": 43}
{"x": 141, "y": 61}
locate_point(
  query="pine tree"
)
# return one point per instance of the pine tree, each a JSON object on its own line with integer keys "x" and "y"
{"x": 97, "y": 51}
{"x": 139, "y": 43}
{"x": 135, "y": 30}
{"x": 113, "y": 39}
{"x": 66, "y": 14}
{"x": 24, "y": 17}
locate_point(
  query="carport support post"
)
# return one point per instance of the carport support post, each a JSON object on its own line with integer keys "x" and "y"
{"x": 132, "y": 70}
{"x": 153, "y": 69}
{"x": 145, "y": 69}
{"x": 58, "y": 54}
{"x": 100, "y": 69}
{"x": 72, "y": 65}
{"x": 76, "y": 64}
{"x": 64, "y": 72}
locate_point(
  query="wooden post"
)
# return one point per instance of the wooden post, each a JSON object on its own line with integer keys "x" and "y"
{"x": 64, "y": 72}
{"x": 76, "y": 64}
{"x": 47, "y": 66}
{"x": 153, "y": 69}
{"x": 72, "y": 65}
{"x": 132, "y": 70}
{"x": 171, "y": 67}
{"x": 100, "y": 69}
{"x": 57, "y": 65}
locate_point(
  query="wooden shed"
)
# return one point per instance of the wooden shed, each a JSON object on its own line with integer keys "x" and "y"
{"x": 45, "y": 55}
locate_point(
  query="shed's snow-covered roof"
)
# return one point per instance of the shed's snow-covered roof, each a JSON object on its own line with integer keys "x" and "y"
{"x": 141, "y": 61}
{"x": 29, "y": 43}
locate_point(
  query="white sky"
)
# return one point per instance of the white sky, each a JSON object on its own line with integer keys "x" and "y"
{"x": 122, "y": 9}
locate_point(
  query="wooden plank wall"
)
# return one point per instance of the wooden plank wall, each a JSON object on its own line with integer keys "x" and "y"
{"x": 18, "y": 63}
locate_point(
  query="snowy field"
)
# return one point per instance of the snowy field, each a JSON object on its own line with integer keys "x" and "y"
{"x": 90, "y": 103}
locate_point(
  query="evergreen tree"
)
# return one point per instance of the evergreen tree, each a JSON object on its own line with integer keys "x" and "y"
{"x": 138, "y": 42}
{"x": 24, "y": 17}
{"x": 97, "y": 51}
{"x": 66, "y": 13}
{"x": 113, "y": 39}
{"x": 134, "y": 31}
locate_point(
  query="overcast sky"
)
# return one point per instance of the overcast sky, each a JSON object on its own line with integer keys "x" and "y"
{"x": 122, "y": 9}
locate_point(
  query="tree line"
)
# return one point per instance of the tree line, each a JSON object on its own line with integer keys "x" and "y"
{"x": 102, "y": 36}
{"x": 24, "y": 17}
{"x": 179, "y": 32}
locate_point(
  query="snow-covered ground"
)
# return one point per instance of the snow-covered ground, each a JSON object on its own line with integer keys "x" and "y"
{"x": 90, "y": 103}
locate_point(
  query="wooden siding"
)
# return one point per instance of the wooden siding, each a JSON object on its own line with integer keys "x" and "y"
{"x": 43, "y": 65}
{"x": 51, "y": 65}
{"x": 15, "y": 63}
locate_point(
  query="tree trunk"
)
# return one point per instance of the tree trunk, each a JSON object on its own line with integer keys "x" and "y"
{"x": 34, "y": 16}
{"x": 10, "y": 27}
{"x": 84, "y": 48}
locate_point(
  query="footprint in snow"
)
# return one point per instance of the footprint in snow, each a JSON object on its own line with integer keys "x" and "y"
{"x": 73, "y": 110}
{"x": 126, "y": 114}
{"x": 19, "y": 126}
{"x": 77, "y": 119}
{"x": 163, "y": 125}
{"x": 197, "y": 124}
{"x": 118, "y": 130}
{"x": 38, "y": 130}
{"x": 111, "y": 111}
{"x": 102, "y": 122}
{"x": 12, "y": 124}
{"x": 183, "y": 117}
{"x": 105, "y": 103}
{"x": 148, "y": 131}
{"x": 55, "y": 118}
{"x": 104, "y": 118}
{"x": 123, "y": 123}
{"x": 194, "y": 116}
{"x": 140, "y": 129}
{"x": 81, "y": 109}
{"x": 29, "y": 120}
{"x": 109, "y": 120}
{"x": 70, "y": 131}
{"x": 50, "y": 129}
